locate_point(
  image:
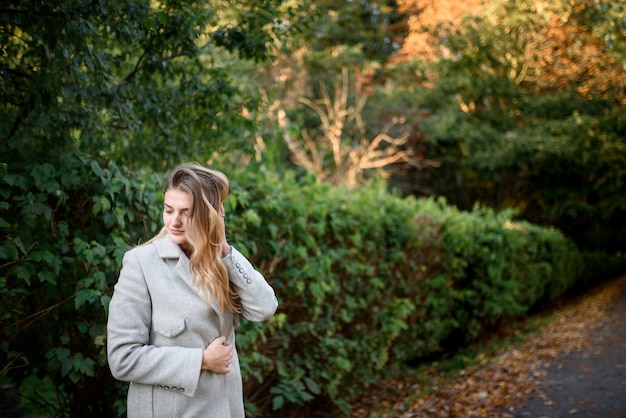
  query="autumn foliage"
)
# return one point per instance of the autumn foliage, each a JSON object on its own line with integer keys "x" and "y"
{"x": 558, "y": 51}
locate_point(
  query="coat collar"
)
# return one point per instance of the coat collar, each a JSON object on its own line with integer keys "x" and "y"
{"x": 171, "y": 252}
{"x": 168, "y": 249}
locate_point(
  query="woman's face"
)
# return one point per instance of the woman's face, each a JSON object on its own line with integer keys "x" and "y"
{"x": 176, "y": 207}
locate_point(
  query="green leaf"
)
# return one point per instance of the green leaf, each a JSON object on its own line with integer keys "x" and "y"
{"x": 84, "y": 296}
{"x": 312, "y": 386}
{"x": 277, "y": 402}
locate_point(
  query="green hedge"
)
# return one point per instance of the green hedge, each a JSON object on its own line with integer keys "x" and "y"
{"x": 368, "y": 280}
{"x": 65, "y": 225}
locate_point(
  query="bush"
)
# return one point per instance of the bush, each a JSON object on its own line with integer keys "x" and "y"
{"x": 368, "y": 280}
{"x": 600, "y": 266}
{"x": 65, "y": 226}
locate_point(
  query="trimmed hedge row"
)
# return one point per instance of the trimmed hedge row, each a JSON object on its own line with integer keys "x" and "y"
{"x": 368, "y": 280}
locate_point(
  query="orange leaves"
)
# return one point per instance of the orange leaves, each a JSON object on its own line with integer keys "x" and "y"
{"x": 430, "y": 14}
{"x": 555, "y": 46}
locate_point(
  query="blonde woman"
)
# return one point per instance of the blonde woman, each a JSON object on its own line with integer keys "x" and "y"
{"x": 178, "y": 299}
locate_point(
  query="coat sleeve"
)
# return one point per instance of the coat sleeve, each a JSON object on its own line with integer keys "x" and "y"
{"x": 257, "y": 298}
{"x": 131, "y": 357}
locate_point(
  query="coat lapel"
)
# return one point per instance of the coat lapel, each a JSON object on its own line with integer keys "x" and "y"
{"x": 171, "y": 252}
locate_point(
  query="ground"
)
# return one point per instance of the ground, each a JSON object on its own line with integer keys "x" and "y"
{"x": 589, "y": 381}
{"x": 574, "y": 365}
{"x": 567, "y": 362}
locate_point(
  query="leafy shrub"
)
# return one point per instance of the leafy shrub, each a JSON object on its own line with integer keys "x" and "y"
{"x": 600, "y": 266}
{"x": 65, "y": 225}
{"x": 368, "y": 280}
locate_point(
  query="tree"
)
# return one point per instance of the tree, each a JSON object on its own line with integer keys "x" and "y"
{"x": 370, "y": 24}
{"x": 340, "y": 151}
{"x": 324, "y": 112}
{"x": 423, "y": 19}
{"x": 547, "y": 47}
{"x": 97, "y": 97}
{"x": 524, "y": 108}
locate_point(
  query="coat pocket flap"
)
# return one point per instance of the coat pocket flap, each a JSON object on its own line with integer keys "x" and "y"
{"x": 170, "y": 329}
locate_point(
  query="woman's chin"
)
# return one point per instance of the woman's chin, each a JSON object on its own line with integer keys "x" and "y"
{"x": 177, "y": 238}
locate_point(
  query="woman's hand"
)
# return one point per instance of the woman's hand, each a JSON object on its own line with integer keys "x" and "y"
{"x": 218, "y": 356}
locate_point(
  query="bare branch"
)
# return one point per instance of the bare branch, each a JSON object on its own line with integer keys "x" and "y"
{"x": 343, "y": 132}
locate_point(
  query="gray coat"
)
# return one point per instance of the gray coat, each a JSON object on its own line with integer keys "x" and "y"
{"x": 158, "y": 326}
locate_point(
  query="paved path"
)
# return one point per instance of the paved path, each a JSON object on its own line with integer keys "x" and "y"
{"x": 586, "y": 383}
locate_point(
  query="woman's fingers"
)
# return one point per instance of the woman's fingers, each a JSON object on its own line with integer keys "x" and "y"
{"x": 217, "y": 357}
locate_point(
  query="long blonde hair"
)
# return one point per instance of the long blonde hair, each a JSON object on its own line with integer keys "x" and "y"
{"x": 207, "y": 191}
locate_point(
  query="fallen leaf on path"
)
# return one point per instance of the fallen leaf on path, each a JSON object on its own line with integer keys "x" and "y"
{"x": 509, "y": 377}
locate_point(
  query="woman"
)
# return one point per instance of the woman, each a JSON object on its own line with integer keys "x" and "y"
{"x": 172, "y": 317}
